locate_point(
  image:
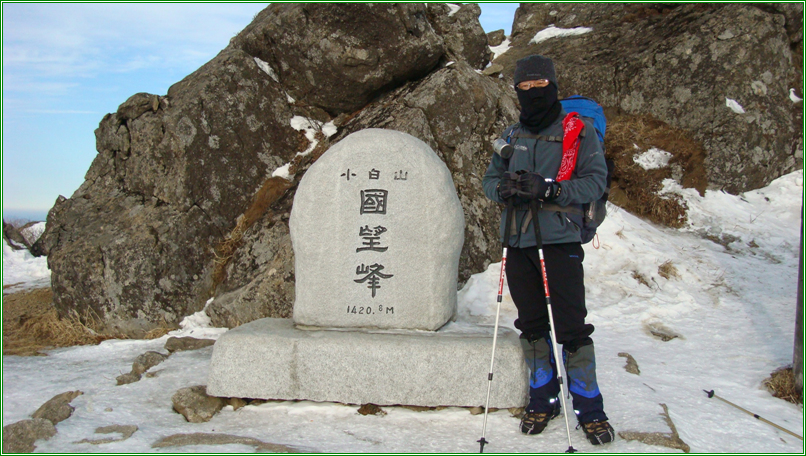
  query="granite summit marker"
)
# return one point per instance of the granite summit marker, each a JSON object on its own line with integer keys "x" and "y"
{"x": 377, "y": 230}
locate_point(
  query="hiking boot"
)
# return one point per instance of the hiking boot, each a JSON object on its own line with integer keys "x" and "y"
{"x": 598, "y": 432}
{"x": 534, "y": 423}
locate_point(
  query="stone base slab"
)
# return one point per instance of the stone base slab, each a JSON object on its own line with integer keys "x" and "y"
{"x": 271, "y": 359}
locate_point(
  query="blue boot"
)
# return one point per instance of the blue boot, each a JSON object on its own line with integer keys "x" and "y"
{"x": 543, "y": 385}
{"x": 588, "y": 404}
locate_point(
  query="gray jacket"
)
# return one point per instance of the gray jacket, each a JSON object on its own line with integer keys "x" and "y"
{"x": 587, "y": 183}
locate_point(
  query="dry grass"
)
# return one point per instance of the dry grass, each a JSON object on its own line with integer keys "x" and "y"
{"x": 31, "y": 324}
{"x": 781, "y": 384}
{"x": 635, "y": 188}
{"x": 668, "y": 271}
{"x": 641, "y": 279}
{"x": 158, "y": 332}
{"x": 272, "y": 190}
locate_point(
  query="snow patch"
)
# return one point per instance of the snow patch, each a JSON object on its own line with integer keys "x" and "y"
{"x": 793, "y": 97}
{"x": 734, "y": 106}
{"x": 654, "y": 158}
{"x": 454, "y": 8}
{"x": 283, "y": 172}
{"x": 310, "y": 127}
{"x": 554, "y": 32}
{"x": 267, "y": 69}
{"x": 500, "y": 49}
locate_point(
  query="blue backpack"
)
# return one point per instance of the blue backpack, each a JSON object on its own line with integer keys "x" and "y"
{"x": 593, "y": 213}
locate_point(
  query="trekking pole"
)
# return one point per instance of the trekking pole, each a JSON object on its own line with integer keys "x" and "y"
{"x": 711, "y": 394}
{"x": 557, "y": 355}
{"x": 508, "y": 226}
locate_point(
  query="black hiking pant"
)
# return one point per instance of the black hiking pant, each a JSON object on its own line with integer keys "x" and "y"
{"x": 566, "y": 279}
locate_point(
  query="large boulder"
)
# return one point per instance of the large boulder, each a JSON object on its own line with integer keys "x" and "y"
{"x": 340, "y": 56}
{"x": 180, "y": 178}
{"x": 682, "y": 65}
{"x": 464, "y": 37}
{"x": 457, "y": 112}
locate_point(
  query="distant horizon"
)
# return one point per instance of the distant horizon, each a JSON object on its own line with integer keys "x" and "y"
{"x": 29, "y": 215}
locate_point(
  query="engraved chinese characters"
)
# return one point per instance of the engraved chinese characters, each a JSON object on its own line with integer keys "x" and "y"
{"x": 377, "y": 230}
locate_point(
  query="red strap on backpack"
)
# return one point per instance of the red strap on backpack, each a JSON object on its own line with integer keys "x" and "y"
{"x": 572, "y": 127}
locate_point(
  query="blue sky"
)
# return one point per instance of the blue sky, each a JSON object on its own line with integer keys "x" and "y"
{"x": 65, "y": 65}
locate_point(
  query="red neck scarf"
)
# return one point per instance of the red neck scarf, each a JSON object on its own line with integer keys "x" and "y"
{"x": 572, "y": 127}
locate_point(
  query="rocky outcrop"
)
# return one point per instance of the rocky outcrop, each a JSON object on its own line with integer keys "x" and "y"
{"x": 496, "y": 37}
{"x": 340, "y": 56}
{"x": 191, "y": 191}
{"x": 459, "y": 26}
{"x": 136, "y": 244}
{"x": 682, "y": 64}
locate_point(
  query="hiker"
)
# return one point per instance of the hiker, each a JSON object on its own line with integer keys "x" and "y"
{"x": 530, "y": 175}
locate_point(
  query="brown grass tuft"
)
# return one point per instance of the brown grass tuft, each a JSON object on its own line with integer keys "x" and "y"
{"x": 781, "y": 384}
{"x": 635, "y": 188}
{"x": 641, "y": 279}
{"x": 270, "y": 193}
{"x": 158, "y": 332}
{"x": 668, "y": 271}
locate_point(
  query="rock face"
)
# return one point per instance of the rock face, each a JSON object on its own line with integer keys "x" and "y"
{"x": 338, "y": 57}
{"x": 464, "y": 37}
{"x": 682, "y": 64}
{"x": 181, "y": 204}
{"x": 383, "y": 242}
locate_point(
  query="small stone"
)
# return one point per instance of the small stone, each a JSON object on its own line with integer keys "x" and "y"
{"x": 516, "y": 412}
{"x": 370, "y": 409}
{"x": 146, "y": 361}
{"x": 125, "y": 432}
{"x": 493, "y": 70}
{"x": 632, "y": 365}
{"x": 57, "y": 408}
{"x": 237, "y": 402}
{"x": 19, "y": 437}
{"x": 130, "y": 377}
{"x": 175, "y": 344}
{"x": 195, "y": 405}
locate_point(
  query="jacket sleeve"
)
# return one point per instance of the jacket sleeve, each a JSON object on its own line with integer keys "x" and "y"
{"x": 492, "y": 177}
{"x": 495, "y": 172}
{"x": 590, "y": 176}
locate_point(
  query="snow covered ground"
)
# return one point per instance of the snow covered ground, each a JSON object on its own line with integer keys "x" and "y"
{"x": 726, "y": 290}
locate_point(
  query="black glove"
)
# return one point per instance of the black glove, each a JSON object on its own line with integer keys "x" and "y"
{"x": 535, "y": 186}
{"x": 508, "y": 185}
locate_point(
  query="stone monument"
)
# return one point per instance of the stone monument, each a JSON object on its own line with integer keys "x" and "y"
{"x": 377, "y": 230}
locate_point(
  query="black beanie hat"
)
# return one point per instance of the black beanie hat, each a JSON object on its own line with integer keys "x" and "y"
{"x": 533, "y": 68}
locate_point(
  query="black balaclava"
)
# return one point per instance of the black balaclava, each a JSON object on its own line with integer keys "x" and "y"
{"x": 539, "y": 107}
